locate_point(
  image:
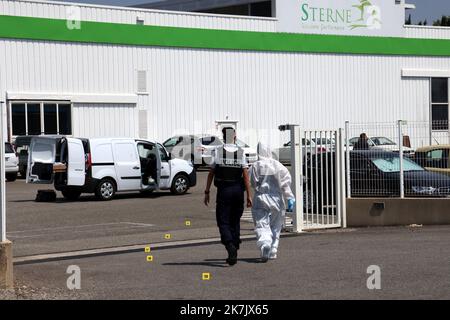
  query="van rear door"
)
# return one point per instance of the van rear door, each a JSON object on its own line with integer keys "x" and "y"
{"x": 76, "y": 163}
{"x": 41, "y": 157}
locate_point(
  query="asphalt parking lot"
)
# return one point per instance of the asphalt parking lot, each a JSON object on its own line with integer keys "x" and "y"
{"x": 414, "y": 263}
{"x": 130, "y": 219}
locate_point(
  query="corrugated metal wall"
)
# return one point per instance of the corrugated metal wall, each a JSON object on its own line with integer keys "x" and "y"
{"x": 56, "y": 10}
{"x": 427, "y": 32}
{"x": 104, "y": 120}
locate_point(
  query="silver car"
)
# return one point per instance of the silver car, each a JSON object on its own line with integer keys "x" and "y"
{"x": 11, "y": 162}
{"x": 198, "y": 148}
{"x": 309, "y": 146}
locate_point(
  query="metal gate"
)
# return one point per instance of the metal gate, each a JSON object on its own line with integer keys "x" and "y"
{"x": 319, "y": 179}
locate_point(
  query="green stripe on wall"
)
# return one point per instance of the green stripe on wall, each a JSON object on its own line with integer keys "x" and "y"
{"x": 17, "y": 27}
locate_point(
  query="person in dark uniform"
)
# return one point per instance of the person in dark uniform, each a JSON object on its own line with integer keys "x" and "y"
{"x": 229, "y": 171}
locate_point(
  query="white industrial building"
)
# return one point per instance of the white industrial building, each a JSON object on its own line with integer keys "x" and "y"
{"x": 93, "y": 71}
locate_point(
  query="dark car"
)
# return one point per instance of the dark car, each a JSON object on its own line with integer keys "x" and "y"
{"x": 377, "y": 173}
{"x": 373, "y": 173}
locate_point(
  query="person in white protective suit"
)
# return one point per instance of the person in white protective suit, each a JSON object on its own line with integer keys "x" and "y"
{"x": 272, "y": 183}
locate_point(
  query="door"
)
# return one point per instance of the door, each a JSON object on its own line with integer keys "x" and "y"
{"x": 165, "y": 172}
{"x": 42, "y": 155}
{"x": 148, "y": 157}
{"x": 127, "y": 165}
{"x": 76, "y": 174}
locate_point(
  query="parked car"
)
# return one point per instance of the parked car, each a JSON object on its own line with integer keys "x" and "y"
{"x": 11, "y": 163}
{"x": 309, "y": 146}
{"x": 198, "y": 148}
{"x": 21, "y": 144}
{"x": 434, "y": 158}
{"x": 373, "y": 173}
{"x": 106, "y": 166}
{"x": 382, "y": 143}
{"x": 195, "y": 148}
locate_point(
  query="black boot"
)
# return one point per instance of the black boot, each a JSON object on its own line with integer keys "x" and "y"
{"x": 232, "y": 254}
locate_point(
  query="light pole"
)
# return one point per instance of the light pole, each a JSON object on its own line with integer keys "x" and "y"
{"x": 6, "y": 264}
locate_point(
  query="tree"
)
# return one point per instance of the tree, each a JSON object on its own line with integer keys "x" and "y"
{"x": 409, "y": 20}
{"x": 443, "y": 22}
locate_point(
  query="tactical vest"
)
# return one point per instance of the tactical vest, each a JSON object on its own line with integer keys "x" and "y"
{"x": 228, "y": 168}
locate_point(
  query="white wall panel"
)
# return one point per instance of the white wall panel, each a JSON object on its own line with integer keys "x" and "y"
{"x": 427, "y": 32}
{"x": 58, "y": 10}
{"x": 105, "y": 120}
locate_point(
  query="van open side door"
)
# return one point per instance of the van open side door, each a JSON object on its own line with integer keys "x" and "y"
{"x": 41, "y": 158}
{"x": 76, "y": 163}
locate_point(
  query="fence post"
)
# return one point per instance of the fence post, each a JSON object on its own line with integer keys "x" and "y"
{"x": 341, "y": 182}
{"x": 2, "y": 179}
{"x": 400, "y": 144}
{"x": 347, "y": 159}
{"x": 297, "y": 158}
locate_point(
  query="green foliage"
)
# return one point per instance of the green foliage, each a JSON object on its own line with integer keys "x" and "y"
{"x": 443, "y": 22}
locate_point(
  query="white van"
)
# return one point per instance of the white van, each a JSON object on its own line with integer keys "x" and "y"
{"x": 106, "y": 166}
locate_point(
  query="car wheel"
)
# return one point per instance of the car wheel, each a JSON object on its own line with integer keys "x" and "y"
{"x": 11, "y": 177}
{"x": 106, "y": 189}
{"x": 71, "y": 195}
{"x": 180, "y": 184}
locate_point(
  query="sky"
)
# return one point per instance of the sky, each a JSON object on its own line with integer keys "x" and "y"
{"x": 425, "y": 9}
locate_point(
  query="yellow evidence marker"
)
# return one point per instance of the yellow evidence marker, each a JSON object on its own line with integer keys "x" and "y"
{"x": 188, "y": 223}
{"x": 167, "y": 236}
{"x": 149, "y": 258}
{"x": 147, "y": 249}
{"x": 206, "y": 276}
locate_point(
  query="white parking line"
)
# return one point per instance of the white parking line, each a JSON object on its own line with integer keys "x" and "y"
{"x": 75, "y": 229}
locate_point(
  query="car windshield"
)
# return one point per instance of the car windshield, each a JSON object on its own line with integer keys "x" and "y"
{"x": 8, "y": 148}
{"x": 382, "y": 141}
{"x": 171, "y": 142}
{"x": 392, "y": 164}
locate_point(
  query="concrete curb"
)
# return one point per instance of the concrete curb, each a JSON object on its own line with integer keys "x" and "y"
{"x": 125, "y": 249}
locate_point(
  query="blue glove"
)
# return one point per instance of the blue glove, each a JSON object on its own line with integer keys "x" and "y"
{"x": 291, "y": 205}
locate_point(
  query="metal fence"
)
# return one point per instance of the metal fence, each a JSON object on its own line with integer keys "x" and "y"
{"x": 398, "y": 159}
{"x": 321, "y": 166}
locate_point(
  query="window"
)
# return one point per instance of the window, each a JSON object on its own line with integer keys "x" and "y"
{"x": 145, "y": 150}
{"x": 50, "y": 119}
{"x": 163, "y": 154}
{"x": 65, "y": 119}
{"x": 172, "y": 142}
{"x": 36, "y": 118}
{"x": 8, "y": 148}
{"x": 439, "y": 103}
{"x": 437, "y": 159}
{"x": 18, "y": 113}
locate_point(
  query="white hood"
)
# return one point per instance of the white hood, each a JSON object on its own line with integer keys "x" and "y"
{"x": 264, "y": 151}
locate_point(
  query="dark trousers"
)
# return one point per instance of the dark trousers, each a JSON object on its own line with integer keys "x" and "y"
{"x": 229, "y": 210}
